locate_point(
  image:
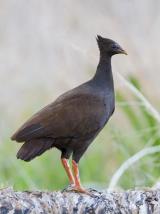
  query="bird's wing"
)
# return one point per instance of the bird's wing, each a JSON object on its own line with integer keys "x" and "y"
{"x": 74, "y": 115}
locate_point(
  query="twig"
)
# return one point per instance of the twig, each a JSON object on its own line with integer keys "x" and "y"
{"x": 138, "y": 94}
{"x": 115, "y": 178}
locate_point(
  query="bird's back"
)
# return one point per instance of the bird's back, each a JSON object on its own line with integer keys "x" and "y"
{"x": 77, "y": 113}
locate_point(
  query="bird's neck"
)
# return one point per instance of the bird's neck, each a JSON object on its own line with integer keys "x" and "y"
{"x": 103, "y": 76}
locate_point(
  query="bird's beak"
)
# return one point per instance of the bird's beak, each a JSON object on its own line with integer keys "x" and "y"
{"x": 121, "y": 51}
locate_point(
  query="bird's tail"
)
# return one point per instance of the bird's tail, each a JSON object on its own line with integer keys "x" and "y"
{"x": 34, "y": 148}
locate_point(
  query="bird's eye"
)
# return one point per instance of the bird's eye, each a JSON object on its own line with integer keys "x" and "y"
{"x": 115, "y": 46}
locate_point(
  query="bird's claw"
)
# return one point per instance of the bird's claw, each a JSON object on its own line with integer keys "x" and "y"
{"x": 68, "y": 188}
{"x": 80, "y": 189}
{"x": 77, "y": 189}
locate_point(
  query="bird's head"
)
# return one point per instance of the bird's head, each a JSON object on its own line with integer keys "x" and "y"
{"x": 109, "y": 47}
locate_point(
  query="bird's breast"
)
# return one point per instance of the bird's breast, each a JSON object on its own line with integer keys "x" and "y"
{"x": 109, "y": 106}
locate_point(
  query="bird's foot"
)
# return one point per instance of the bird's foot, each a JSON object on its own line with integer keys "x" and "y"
{"x": 77, "y": 189}
{"x": 68, "y": 188}
{"x": 80, "y": 189}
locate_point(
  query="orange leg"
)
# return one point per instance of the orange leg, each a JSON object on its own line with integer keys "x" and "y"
{"x": 68, "y": 170}
{"x": 78, "y": 186}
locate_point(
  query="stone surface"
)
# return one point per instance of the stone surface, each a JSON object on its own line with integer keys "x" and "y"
{"x": 145, "y": 201}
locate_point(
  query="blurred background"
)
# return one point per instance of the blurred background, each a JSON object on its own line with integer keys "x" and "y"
{"x": 48, "y": 47}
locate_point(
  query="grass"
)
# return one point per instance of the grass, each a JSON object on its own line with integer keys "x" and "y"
{"x": 122, "y": 138}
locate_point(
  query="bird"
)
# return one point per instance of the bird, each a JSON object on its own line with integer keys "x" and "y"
{"x": 74, "y": 119}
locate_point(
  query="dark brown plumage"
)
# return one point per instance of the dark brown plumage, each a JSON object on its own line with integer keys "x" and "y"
{"x": 73, "y": 121}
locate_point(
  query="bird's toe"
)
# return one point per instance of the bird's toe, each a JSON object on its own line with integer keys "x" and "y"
{"x": 68, "y": 188}
{"x": 80, "y": 189}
